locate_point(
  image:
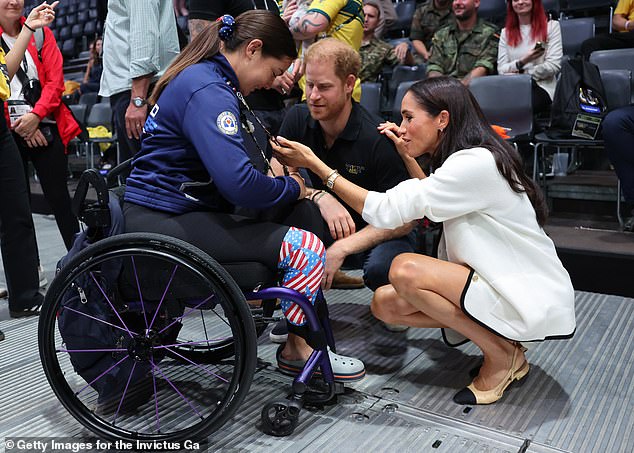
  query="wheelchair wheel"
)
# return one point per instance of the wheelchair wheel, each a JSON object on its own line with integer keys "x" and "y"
{"x": 112, "y": 332}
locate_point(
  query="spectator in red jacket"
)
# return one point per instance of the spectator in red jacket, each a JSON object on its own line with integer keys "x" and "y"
{"x": 42, "y": 125}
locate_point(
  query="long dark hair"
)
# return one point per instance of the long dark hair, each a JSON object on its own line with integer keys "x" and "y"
{"x": 468, "y": 128}
{"x": 270, "y": 28}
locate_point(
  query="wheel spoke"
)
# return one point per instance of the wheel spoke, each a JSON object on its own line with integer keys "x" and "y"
{"x": 163, "y": 297}
{"x": 125, "y": 390}
{"x": 209, "y": 372}
{"x": 138, "y": 285}
{"x": 90, "y": 350}
{"x": 184, "y": 315}
{"x": 183, "y": 397}
{"x": 94, "y": 318}
{"x": 102, "y": 374}
{"x": 110, "y": 303}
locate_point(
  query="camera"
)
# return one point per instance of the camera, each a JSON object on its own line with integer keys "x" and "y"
{"x": 539, "y": 45}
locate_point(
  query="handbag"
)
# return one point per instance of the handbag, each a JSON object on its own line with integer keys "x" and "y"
{"x": 31, "y": 88}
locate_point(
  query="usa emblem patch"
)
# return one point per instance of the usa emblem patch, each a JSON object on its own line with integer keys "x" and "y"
{"x": 227, "y": 123}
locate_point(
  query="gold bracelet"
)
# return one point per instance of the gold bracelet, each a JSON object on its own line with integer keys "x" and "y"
{"x": 329, "y": 176}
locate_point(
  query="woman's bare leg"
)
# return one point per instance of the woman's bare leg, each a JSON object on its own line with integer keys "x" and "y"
{"x": 434, "y": 287}
{"x": 391, "y": 308}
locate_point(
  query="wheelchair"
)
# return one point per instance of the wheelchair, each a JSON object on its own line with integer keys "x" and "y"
{"x": 144, "y": 337}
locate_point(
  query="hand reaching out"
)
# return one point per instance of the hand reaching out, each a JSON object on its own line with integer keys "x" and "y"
{"x": 293, "y": 154}
{"x": 42, "y": 15}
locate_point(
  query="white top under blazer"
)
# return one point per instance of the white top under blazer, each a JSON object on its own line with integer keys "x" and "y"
{"x": 518, "y": 287}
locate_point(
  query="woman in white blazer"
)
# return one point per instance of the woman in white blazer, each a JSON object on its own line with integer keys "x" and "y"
{"x": 498, "y": 280}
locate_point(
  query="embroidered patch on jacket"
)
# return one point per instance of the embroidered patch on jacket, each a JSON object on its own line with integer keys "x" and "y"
{"x": 227, "y": 123}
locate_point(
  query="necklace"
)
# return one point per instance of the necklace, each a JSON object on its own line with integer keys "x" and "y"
{"x": 248, "y": 126}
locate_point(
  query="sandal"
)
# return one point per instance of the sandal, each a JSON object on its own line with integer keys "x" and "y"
{"x": 26, "y": 312}
{"x": 345, "y": 369}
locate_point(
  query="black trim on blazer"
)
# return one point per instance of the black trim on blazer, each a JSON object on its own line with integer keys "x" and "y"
{"x": 462, "y": 306}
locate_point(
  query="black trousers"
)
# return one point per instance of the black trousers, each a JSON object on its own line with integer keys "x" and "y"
{"x": 17, "y": 233}
{"x": 51, "y": 165}
{"x": 128, "y": 147}
{"x": 541, "y": 100}
{"x": 617, "y": 40}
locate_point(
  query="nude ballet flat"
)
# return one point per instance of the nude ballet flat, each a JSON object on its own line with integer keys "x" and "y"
{"x": 471, "y": 395}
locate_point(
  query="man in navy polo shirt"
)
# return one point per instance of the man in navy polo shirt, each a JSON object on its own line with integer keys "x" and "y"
{"x": 344, "y": 135}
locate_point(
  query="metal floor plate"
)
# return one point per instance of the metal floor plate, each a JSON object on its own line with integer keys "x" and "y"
{"x": 578, "y": 396}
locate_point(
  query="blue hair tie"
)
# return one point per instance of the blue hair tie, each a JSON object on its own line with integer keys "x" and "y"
{"x": 227, "y": 27}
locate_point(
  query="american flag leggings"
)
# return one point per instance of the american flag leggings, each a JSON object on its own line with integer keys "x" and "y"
{"x": 301, "y": 261}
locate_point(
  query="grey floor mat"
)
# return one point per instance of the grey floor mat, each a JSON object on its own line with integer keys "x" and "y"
{"x": 578, "y": 396}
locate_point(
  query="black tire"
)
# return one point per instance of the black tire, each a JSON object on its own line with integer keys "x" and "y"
{"x": 176, "y": 399}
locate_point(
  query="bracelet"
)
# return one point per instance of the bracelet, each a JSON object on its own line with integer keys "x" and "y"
{"x": 315, "y": 193}
{"x": 316, "y": 197}
{"x": 325, "y": 181}
{"x": 27, "y": 26}
{"x": 296, "y": 173}
{"x": 627, "y": 23}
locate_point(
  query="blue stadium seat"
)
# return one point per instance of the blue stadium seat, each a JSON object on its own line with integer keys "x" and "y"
{"x": 82, "y": 17}
{"x": 77, "y": 31}
{"x": 69, "y": 48}
{"x": 65, "y": 33}
{"x": 71, "y": 19}
{"x": 90, "y": 29}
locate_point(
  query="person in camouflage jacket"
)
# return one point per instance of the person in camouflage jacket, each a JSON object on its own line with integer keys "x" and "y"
{"x": 467, "y": 48}
{"x": 428, "y": 18}
{"x": 376, "y": 53}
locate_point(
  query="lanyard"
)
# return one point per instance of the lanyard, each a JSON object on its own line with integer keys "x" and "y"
{"x": 249, "y": 129}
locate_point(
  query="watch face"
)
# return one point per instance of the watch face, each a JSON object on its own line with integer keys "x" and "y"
{"x": 138, "y": 102}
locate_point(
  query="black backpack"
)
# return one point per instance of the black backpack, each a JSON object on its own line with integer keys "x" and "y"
{"x": 579, "y": 96}
{"x": 87, "y": 322}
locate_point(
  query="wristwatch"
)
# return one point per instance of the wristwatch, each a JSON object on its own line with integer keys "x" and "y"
{"x": 330, "y": 180}
{"x": 138, "y": 102}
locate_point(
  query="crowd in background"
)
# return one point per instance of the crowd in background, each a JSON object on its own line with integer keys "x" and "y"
{"x": 141, "y": 38}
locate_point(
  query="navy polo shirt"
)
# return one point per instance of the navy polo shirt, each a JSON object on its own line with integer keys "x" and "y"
{"x": 361, "y": 154}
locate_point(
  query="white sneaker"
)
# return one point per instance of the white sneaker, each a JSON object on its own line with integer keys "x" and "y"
{"x": 42, "y": 275}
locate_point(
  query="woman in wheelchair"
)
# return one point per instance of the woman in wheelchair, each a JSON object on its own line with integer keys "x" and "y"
{"x": 499, "y": 280}
{"x": 192, "y": 170}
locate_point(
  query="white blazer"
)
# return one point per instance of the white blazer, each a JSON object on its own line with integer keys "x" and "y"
{"x": 525, "y": 294}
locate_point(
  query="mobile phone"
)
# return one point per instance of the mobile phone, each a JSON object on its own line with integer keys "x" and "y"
{"x": 539, "y": 45}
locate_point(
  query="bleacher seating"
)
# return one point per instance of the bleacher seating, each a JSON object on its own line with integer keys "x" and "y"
{"x": 574, "y": 32}
{"x": 69, "y": 48}
{"x": 405, "y": 13}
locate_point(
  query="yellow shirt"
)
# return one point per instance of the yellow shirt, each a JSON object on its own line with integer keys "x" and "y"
{"x": 5, "y": 90}
{"x": 346, "y": 24}
{"x": 625, "y": 8}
